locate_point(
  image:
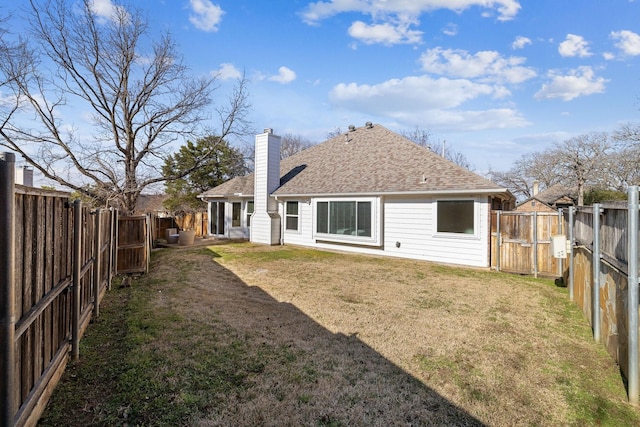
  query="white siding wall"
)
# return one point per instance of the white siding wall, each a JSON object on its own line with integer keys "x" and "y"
{"x": 304, "y": 235}
{"x": 411, "y": 222}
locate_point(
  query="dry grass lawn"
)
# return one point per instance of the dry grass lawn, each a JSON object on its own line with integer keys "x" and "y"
{"x": 328, "y": 339}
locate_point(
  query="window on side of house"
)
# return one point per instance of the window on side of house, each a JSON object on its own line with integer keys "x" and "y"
{"x": 236, "y": 208}
{"x": 456, "y": 216}
{"x": 291, "y": 214}
{"x": 249, "y": 212}
{"x": 344, "y": 218}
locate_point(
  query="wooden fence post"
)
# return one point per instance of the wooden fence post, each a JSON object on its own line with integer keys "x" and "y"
{"x": 7, "y": 288}
{"x": 77, "y": 267}
{"x": 97, "y": 264}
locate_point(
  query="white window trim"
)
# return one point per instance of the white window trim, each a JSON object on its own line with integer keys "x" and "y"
{"x": 463, "y": 236}
{"x": 376, "y": 233}
{"x": 231, "y": 203}
{"x": 285, "y": 216}
{"x": 247, "y": 216}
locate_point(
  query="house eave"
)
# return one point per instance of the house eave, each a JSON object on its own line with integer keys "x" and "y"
{"x": 210, "y": 197}
{"x": 487, "y": 191}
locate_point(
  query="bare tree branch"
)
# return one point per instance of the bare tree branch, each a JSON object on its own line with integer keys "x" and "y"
{"x": 141, "y": 99}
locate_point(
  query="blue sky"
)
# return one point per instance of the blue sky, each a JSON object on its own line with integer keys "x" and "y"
{"x": 494, "y": 79}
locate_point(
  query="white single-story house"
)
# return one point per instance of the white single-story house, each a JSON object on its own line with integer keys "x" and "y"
{"x": 369, "y": 190}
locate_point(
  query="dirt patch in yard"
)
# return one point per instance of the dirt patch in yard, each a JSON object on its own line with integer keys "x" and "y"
{"x": 257, "y": 335}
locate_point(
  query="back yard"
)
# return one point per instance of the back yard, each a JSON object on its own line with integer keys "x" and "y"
{"x": 250, "y": 335}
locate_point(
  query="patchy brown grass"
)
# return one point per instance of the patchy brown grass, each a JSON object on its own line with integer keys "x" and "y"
{"x": 254, "y": 335}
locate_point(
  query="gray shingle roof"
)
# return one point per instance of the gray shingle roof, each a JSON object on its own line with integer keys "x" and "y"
{"x": 369, "y": 160}
{"x": 555, "y": 192}
{"x": 235, "y": 186}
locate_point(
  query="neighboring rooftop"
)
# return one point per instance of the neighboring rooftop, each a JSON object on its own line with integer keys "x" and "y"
{"x": 555, "y": 192}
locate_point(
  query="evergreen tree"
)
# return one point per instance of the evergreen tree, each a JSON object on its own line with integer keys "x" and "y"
{"x": 212, "y": 161}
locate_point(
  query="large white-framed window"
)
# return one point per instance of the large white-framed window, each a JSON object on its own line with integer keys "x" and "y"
{"x": 292, "y": 216}
{"x": 347, "y": 220}
{"x": 457, "y": 217}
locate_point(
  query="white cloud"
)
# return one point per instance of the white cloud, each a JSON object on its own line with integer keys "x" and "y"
{"x": 315, "y": 12}
{"x": 422, "y": 99}
{"x": 284, "y": 76}
{"x": 228, "y": 71}
{"x": 627, "y": 41}
{"x": 450, "y": 29}
{"x": 520, "y": 42}
{"x": 392, "y": 19}
{"x": 579, "y": 82}
{"x": 487, "y": 65}
{"x": 608, "y": 56}
{"x": 106, "y": 9}
{"x": 206, "y": 15}
{"x": 574, "y": 46}
{"x": 415, "y": 92}
{"x": 386, "y": 34}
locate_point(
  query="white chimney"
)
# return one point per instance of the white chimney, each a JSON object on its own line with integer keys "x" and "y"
{"x": 265, "y": 221}
{"x": 536, "y": 188}
{"x": 24, "y": 176}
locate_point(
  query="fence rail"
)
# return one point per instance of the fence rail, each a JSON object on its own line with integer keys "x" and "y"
{"x": 56, "y": 262}
{"x": 603, "y": 279}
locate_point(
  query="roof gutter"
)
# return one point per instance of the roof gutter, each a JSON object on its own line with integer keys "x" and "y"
{"x": 222, "y": 196}
{"x": 486, "y": 191}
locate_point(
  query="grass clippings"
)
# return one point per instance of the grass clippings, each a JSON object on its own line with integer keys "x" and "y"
{"x": 249, "y": 335}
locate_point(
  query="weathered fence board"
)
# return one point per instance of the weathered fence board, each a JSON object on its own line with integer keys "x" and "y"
{"x": 133, "y": 244}
{"x": 611, "y": 297}
{"x": 40, "y": 260}
{"x": 197, "y": 221}
{"x": 521, "y": 242}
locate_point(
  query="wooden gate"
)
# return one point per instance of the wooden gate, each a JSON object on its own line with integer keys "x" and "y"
{"x": 521, "y": 242}
{"x": 134, "y": 244}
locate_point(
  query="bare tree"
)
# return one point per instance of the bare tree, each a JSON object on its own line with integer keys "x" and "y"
{"x": 627, "y": 134}
{"x": 335, "y": 132}
{"x": 292, "y": 144}
{"x": 422, "y": 138}
{"x": 583, "y": 159}
{"x": 289, "y": 145}
{"x": 419, "y": 136}
{"x": 513, "y": 179}
{"x": 140, "y": 101}
{"x": 541, "y": 166}
{"x": 622, "y": 169}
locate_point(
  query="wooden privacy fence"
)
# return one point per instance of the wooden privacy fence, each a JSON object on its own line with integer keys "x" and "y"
{"x": 603, "y": 280}
{"x": 196, "y": 221}
{"x": 521, "y": 242}
{"x": 56, "y": 260}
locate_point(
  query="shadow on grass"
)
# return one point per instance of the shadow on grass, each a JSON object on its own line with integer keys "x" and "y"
{"x": 212, "y": 350}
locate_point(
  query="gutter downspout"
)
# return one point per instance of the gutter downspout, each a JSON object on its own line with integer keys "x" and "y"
{"x": 281, "y": 208}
